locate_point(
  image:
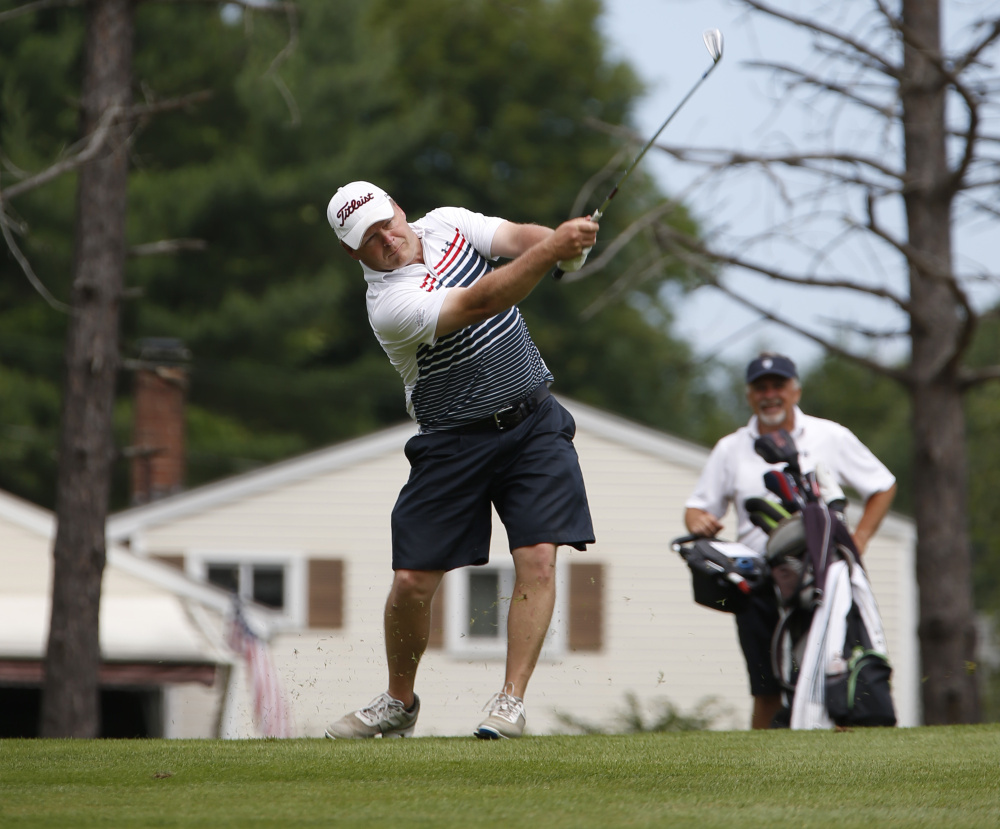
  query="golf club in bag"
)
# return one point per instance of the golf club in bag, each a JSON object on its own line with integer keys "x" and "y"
{"x": 713, "y": 42}
{"x": 828, "y": 649}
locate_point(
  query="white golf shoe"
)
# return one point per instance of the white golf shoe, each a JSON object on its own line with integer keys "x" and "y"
{"x": 382, "y": 717}
{"x": 506, "y": 717}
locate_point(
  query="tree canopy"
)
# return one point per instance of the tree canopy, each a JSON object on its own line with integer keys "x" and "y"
{"x": 477, "y": 103}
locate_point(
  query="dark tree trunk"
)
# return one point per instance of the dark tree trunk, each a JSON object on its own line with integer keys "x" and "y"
{"x": 947, "y": 633}
{"x": 71, "y": 693}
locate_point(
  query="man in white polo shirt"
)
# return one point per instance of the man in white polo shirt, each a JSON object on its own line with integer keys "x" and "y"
{"x": 734, "y": 472}
{"x": 489, "y": 431}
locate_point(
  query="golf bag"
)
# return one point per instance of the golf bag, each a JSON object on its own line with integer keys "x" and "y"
{"x": 829, "y": 648}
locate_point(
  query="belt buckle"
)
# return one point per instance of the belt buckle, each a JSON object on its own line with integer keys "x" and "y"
{"x": 498, "y": 414}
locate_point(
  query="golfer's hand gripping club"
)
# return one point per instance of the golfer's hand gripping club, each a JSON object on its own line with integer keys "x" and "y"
{"x": 577, "y": 262}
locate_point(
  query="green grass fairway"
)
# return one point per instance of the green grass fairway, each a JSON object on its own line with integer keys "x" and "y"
{"x": 926, "y": 777}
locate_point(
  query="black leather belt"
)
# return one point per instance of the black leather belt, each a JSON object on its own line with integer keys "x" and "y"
{"x": 509, "y": 416}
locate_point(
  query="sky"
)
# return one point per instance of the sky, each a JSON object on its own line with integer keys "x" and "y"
{"x": 735, "y": 108}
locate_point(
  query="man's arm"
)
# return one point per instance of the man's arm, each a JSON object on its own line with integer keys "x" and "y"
{"x": 511, "y": 239}
{"x": 701, "y": 523}
{"x": 536, "y": 250}
{"x": 876, "y": 508}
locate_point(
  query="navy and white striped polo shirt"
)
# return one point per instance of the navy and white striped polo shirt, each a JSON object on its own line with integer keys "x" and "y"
{"x": 467, "y": 374}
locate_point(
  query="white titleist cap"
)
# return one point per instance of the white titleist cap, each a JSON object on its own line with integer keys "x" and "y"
{"x": 355, "y": 208}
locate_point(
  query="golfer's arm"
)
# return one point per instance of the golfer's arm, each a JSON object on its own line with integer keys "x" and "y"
{"x": 876, "y": 508}
{"x": 700, "y": 522}
{"x": 535, "y": 250}
{"x": 511, "y": 240}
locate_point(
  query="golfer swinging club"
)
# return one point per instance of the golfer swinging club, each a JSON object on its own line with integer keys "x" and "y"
{"x": 489, "y": 431}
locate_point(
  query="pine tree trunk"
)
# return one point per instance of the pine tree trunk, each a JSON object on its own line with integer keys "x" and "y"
{"x": 70, "y": 701}
{"x": 947, "y": 633}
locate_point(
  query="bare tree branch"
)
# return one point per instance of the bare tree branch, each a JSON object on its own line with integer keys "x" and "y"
{"x": 38, "y": 6}
{"x": 93, "y": 146}
{"x": 264, "y": 6}
{"x": 25, "y": 265}
{"x": 290, "y": 10}
{"x": 971, "y": 377}
{"x": 812, "y": 25}
{"x": 705, "y": 254}
{"x": 591, "y": 185}
{"x": 697, "y": 264}
{"x": 167, "y": 247}
{"x": 988, "y": 39}
{"x": 725, "y": 158}
{"x": 43, "y": 5}
{"x": 939, "y": 271}
{"x": 291, "y": 13}
{"x": 94, "y": 143}
{"x": 823, "y": 85}
{"x": 635, "y": 276}
{"x": 184, "y": 102}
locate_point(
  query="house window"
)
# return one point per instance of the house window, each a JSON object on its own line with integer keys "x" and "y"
{"x": 274, "y": 580}
{"x": 489, "y": 590}
{"x": 477, "y": 601}
{"x": 263, "y": 583}
{"x": 268, "y": 585}
{"x": 226, "y": 576}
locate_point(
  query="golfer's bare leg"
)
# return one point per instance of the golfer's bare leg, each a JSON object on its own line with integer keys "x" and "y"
{"x": 407, "y": 627}
{"x": 530, "y": 611}
{"x": 765, "y": 707}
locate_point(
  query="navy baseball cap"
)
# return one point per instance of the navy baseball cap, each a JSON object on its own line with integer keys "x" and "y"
{"x": 776, "y": 364}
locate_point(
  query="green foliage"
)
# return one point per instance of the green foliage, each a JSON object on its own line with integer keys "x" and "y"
{"x": 892, "y": 777}
{"x": 666, "y": 717}
{"x": 472, "y": 102}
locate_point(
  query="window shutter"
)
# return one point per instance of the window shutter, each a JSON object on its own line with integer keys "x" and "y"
{"x": 436, "y": 639}
{"x": 586, "y": 607}
{"x": 326, "y": 593}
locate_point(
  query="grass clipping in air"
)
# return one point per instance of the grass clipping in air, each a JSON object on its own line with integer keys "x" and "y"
{"x": 927, "y": 777}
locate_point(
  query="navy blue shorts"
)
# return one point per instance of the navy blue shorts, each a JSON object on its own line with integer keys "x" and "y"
{"x": 531, "y": 474}
{"x": 756, "y": 627}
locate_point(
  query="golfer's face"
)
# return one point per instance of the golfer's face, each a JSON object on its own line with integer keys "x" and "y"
{"x": 388, "y": 245}
{"x": 773, "y": 399}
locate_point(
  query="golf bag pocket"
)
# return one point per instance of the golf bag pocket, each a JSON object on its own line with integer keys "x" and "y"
{"x": 723, "y": 573}
{"x": 861, "y": 695}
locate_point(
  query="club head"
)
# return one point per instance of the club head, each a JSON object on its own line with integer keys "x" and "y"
{"x": 713, "y": 42}
{"x": 779, "y": 483}
{"x": 778, "y": 447}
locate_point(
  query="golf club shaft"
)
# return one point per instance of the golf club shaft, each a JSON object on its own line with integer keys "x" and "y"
{"x": 597, "y": 214}
{"x": 604, "y": 206}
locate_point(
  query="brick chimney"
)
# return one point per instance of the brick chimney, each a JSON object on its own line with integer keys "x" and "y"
{"x": 157, "y": 449}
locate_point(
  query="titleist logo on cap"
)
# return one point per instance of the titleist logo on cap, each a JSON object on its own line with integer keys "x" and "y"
{"x": 345, "y": 212}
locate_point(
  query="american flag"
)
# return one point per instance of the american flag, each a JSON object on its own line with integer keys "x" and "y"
{"x": 269, "y": 706}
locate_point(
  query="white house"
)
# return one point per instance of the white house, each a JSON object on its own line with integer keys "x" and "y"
{"x": 164, "y": 661}
{"x": 308, "y": 538}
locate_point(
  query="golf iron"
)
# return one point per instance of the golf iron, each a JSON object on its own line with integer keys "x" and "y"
{"x": 713, "y": 42}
